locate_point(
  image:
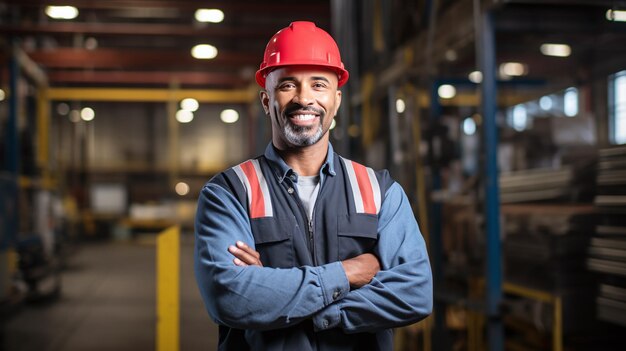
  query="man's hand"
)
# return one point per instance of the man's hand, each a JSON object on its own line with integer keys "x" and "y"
{"x": 245, "y": 255}
{"x": 361, "y": 269}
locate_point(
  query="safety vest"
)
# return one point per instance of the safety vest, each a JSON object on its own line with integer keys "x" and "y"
{"x": 345, "y": 218}
{"x": 344, "y": 225}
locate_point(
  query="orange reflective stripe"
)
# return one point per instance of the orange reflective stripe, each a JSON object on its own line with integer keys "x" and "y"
{"x": 365, "y": 187}
{"x": 259, "y": 202}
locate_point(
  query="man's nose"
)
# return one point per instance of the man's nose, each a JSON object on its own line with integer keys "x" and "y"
{"x": 304, "y": 96}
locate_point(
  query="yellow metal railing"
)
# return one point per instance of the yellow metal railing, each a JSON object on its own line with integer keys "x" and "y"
{"x": 546, "y": 297}
{"x": 168, "y": 290}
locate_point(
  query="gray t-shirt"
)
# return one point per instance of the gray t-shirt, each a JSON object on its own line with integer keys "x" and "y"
{"x": 308, "y": 187}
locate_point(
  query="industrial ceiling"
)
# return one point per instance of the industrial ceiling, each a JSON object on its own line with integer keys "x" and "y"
{"x": 147, "y": 43}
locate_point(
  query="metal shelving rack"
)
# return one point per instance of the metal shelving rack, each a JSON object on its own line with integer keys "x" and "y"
{"x": 607, "y": 251}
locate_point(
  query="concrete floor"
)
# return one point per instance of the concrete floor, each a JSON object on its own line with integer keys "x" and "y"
{"x": 108, "y": 302}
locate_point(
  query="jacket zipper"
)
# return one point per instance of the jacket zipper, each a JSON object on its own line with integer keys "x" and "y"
{"x": 309, "y": 221}
{"x": 309, "y": 230}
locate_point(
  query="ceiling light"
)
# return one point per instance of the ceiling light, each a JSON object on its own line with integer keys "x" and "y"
{"x": 63, "y": 109}
{"x": 451, "y": 55}
{"x": 182, "y": 188}
{"x": 87, "y": 114}
{"x": 184, "y": 116}
{"x": 189, "y": 104}
{"x": 2, "y": 95}
{"x": 91, "y": 43}
{"x": 545, "y": 103}
{"x": 476, "y": 77}
{"x": 204, "y": 51}
{"x": 513, "y": 69}
{"x": 446, "y": 91}
{"x": 209, "y": 15}
{"x": 229, "y": 116}
{"x": 74, "y": 116}
{"x": 558, "y": 50}
{"x": 520, "y": 117}
{"x": 616, "y": 15}
{"x": 400, "y": 105}
{"x": 570, "y": 102}
{"x": 62, "y": 12}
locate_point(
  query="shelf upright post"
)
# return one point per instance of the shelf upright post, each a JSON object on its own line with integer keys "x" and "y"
{"x": 487, "y": 62}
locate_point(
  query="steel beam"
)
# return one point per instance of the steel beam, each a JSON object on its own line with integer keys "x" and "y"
{"x": 277, "y": 9}
{"x": 140, "y": 29}
{"x": 151, "y": 95}
{"x": 144, "y": 77}
{"x": 136, "y": 58}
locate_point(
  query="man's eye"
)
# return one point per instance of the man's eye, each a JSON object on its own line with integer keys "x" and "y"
{"x": 286, "y": 86}
{"x": 319, "y": 85}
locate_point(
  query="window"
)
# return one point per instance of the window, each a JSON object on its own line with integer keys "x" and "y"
{"x": 570, "y": 102}
{"x": 617, "y": 107}
{"x": 564, "y": 103}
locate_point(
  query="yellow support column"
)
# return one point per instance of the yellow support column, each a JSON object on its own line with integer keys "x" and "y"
{"x": 168, "y": 290}
{"x": 557, "y": 324}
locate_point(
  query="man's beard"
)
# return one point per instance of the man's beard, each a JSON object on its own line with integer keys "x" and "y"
{"x": 300, "y": 136}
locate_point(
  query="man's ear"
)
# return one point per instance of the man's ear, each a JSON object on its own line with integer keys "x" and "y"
{"x": 337, "y": 101}
{"x": 265, "y": 101}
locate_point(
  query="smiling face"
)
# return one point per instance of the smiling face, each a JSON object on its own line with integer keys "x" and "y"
{"x": 301, "y": 102}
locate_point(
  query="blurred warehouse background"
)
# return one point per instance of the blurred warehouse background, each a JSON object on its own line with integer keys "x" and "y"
{"x": 504, "y": 121}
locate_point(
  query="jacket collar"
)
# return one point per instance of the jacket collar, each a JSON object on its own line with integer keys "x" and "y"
{"x": 282, "y": 170}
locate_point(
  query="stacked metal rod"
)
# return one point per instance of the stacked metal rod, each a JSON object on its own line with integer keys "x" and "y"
{"x": 607, "y": 252}
{"x": 544, "y": 249}
{"x": 548, "y": 223}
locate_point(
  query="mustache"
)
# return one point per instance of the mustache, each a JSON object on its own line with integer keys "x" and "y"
{"x": 297, "y": 107}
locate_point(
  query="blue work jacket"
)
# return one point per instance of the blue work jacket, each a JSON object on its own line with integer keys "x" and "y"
{"x": 301, "y": 298}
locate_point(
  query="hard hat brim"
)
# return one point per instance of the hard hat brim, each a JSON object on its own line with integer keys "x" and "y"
{"x": 342, "y": 74}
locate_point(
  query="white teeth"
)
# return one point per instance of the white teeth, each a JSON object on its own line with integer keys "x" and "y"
{"x": 304, "y": 117}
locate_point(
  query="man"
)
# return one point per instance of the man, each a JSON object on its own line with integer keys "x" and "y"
{"x": 300, "y": 249}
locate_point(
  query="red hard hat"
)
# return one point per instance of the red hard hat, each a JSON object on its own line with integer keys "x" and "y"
{"x": 302, "y": 43}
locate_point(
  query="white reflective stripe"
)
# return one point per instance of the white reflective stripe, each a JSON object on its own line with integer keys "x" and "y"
{"x": 375, "y": 188}
{"x": 269, "y": 212}
{"x": 244, "y": 180}
{"x": 354, "y": 184}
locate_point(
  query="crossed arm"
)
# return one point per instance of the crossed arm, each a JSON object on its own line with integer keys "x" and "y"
{"x": 359, "y": 270}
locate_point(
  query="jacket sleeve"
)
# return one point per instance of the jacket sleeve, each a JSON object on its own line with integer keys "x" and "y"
{"x": 401, "y": 293}
{"x": 253, "y": 297}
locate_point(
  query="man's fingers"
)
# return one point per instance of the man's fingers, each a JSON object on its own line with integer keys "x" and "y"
{"x": 248, "y": 249}
{"x": 245, "y": 256}
{"x": 239, "y": 262}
